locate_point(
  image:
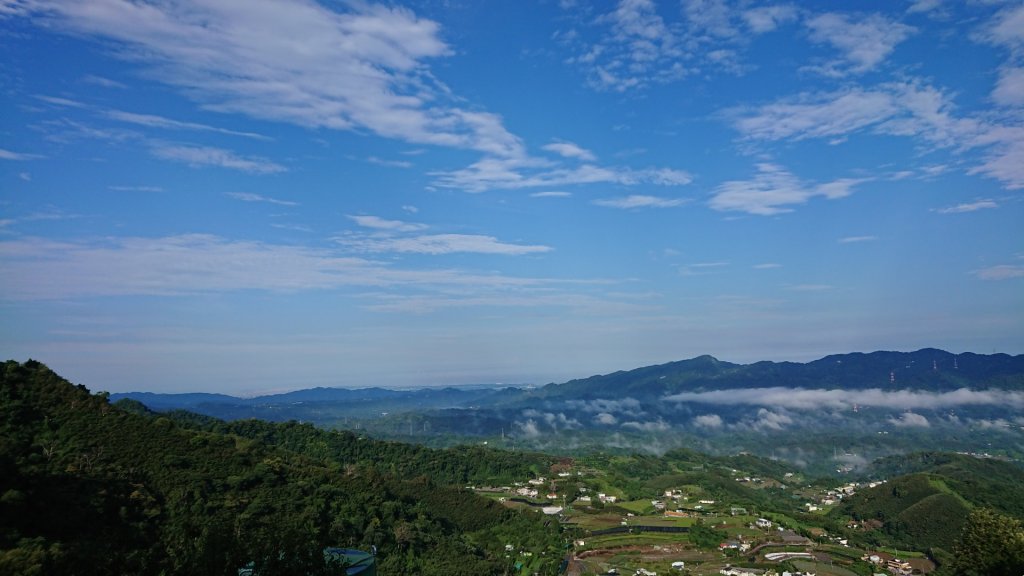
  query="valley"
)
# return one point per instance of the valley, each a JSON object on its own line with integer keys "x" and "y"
{"x": 163, "y": 488}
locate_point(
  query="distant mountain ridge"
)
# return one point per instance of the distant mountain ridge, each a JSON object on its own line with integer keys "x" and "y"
{"x": 837, "y": 412}
{"x": 928, "y": 369}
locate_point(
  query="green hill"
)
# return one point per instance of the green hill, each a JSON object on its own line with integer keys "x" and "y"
{"x": 87, "y": 488}
{"x": 927, "y": 508}
{"x": 984, "y": 482}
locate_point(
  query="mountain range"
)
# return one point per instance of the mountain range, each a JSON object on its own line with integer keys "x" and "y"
{"x": 859, "y": 406}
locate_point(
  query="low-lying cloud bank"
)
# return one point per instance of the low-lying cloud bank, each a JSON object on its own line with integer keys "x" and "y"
{"x": 815, "y": 399}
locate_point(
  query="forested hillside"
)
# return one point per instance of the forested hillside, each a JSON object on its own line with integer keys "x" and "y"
{"x": 926, "y": 502}
{"x": 89, "y": 488}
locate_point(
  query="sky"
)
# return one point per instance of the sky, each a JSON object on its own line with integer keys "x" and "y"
{"x": 248, "y": 196}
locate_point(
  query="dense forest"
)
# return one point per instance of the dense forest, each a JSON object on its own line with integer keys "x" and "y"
{"x": 87, "y": 487}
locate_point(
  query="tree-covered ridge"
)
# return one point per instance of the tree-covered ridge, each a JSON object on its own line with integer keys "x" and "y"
{"x": 460, "y": 465}
{"x": 926, "y": 502}
{"x": 87, "y": 488}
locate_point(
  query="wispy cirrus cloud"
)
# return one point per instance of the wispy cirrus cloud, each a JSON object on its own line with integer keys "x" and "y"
{"x": 12, "y": 155}
{"x": 520, "y": 173}
{"x": 1006, "y": 29}
{"x": 968, "y": 207}
{"x": 857, "y": 239}
{"x": 155, "y": 121}
{"x": 198, "y": 263}
{"x": 301, "y": 62}
{"x": 863, "y": 41}
{"x": 442, "y": 244}
{"x": 103, "y": 81}
{"x": 642, "y": 44}
{"x": 136, "y": 188}
{"x": 909, "y": 109}
{"x": 141, "y": 119}
{"x": 1000, "y": 272}
{"x": 638, "y": 48}
{"x": 250, "y": 197}
{"x": 389, "y": 163}
{"x": 551, "y": 194}
{"x": 199, "y": 156}
{"x": 641, "y": 201}
{"x": 1009, "y": 90}
{"x": 774, "y": 190}
{"x": 397, "y": 236}
{"x": 809, "y": 287}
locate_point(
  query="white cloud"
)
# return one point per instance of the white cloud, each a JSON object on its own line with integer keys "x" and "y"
{"x": 1007, "y": 28}
{"x": 1004, "y": 160}
{"x": 104, "y": 82}
{"x": 818, "y": 116}
{"x": 517, "y": 173}
{"x": 378, "y": 223}
{"x": 1009, "y": 90}
{"x": 298, "y": 62}
{"x": 197, "y": 263}
{"x": 389, "y": 163}
{"x": 410, "y": 209}
{"x": 767, "y": 18}
{"x": 62, "y": 102}
{"x": 909, "y": 109}
{"x": 638, "y": 49}
{"x": 197, "y": 156}
{"x": 627, "y": 405}
{"x": 910, "y": 420}
{"x": 154, "y": 121}
{"x": 443, "y": 244}
{"x": 551, "y": 194}
{"x": 1000, "y": 272}
{"x": 528, "y": 429}
{"x": 712, "y": 18}
{"x": 11, "y": 155}
{"x": 770, "y": 420}
{"x": 773, "y": 191}
{"x": 865, "y": 42}
{"x": 658, "y": 425}
{"x": 135, "y": 188}
{"x": 641, "y": 201}
{"x": 968, "y": 207}
{"x": 606, "y": 419}
{"x": 249, "y": 197}
{"x": 920, "y": 6}
{"x": 570, "y": 150}
{"x": 857, "y": 239}
{"x": 836, "y": 399}
{"x": 710, "y": 421}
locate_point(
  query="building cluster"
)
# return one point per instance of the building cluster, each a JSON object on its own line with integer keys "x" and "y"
{"x": 892, "y": 564}
{"x": 737, "y": 571}
{"x": 833, "y": 496}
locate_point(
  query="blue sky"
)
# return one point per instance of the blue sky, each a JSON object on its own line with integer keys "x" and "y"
{"x": 245, "y": 196}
